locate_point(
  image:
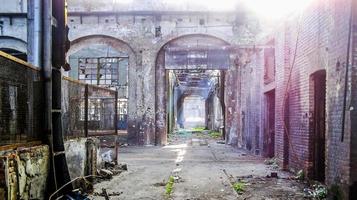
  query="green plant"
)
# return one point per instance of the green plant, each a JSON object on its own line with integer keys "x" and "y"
{"x": 239, "y": 187}
{"x": 215, "y": 134}
{"x": 198, "y": 129}
{"x": 169, "y": 185}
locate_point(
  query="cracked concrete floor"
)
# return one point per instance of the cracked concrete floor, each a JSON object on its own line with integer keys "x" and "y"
{"x": 198, "y": 162}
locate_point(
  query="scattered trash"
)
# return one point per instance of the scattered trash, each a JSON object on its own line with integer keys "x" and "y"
{"x": 111, "y": 169}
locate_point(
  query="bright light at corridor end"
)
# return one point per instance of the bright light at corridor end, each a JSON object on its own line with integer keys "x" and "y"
{"x": 268, "y": 9}
{"x": 275, "y": 9}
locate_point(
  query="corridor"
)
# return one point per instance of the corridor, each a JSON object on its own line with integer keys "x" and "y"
{"x": 200, "y": 165}
{"x": 178, "y": 99}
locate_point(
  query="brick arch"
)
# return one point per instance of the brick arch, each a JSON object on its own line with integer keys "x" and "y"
{"x": 88, "y": 40}
{"x": 160, "y": 77}
{"x": 8, "y": 42}
{"x": 172, "y": 39}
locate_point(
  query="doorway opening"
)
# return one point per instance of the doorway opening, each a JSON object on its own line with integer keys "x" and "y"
{"x": 318, "y": 80}
{"x": 194, "y": 100}
{"x": 269, "y": 131}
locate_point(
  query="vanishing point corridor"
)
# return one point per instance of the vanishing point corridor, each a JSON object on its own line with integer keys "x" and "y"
{"x": 178, "y": 99}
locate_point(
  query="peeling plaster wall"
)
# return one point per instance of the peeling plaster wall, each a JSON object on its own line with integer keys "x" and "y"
{"x": 82, "y": 156}
{"x": 141, "y": 35}
{"x": 25, "y": 171}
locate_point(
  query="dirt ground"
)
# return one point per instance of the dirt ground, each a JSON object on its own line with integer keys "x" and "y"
{"x": 203, "y": 169}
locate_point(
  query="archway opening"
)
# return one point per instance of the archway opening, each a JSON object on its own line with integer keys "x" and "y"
{"x": 190, "y": 86}
{"x": 104, "y": 61}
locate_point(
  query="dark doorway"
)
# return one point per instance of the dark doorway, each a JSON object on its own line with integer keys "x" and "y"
{"x": 270, "y": 124}
{"x": 318, "y": 124}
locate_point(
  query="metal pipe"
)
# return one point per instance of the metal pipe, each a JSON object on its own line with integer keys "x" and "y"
{"x": 47, "y": 77}
{"x": 34, "y": 33}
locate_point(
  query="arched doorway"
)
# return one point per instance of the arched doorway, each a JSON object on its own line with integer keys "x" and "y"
{"x": 191, "y": 63}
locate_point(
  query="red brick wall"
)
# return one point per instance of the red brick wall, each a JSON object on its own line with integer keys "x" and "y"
{"x": 320, "y": 37}
{"x": 338, "y": 152}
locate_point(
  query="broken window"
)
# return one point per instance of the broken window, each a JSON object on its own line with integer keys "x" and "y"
{"x": 110, "y": 72}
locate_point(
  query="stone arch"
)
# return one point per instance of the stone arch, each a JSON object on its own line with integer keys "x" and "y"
{"x": 86, "y": 41}
{"x": 120, "y": 46}
{"x": 203, "y": 40}
{"x": 8, "y": 42}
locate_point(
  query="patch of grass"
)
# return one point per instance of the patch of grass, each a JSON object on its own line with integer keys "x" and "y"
{"x": 317, "y": 191}
{"x": 239, "y": 187}
{"x": 169, "y": 186}
{"x": 199, "y": 129}
{"x": 215, "y": 134}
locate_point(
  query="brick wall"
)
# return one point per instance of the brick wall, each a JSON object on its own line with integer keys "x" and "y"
{"x": 310, "y": 42}
{"x": 337, "y": 151}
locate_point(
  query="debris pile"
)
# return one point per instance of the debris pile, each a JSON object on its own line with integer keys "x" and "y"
{"x": 111, "y": 169}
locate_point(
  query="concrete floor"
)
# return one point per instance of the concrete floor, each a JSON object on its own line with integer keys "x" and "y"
{"x": 198, "y": 162}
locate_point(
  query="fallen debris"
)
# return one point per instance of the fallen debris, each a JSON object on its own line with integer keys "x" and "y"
{"x": 273, "y": 175}
{"x": 111, "y": 169}
{"x": 106, "y": 195}
{"x": 160, "y": 184}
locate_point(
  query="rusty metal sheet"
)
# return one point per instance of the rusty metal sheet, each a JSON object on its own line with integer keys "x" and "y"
{"x": 181, "y": 58}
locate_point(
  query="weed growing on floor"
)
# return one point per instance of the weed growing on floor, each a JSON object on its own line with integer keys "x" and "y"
{"x": 215, "y": 134}
{"x": 239, "y": 187}
{"x": 169, "y": 186}
{"x": 317, "y": 191}
{"x": 198, "y": 129}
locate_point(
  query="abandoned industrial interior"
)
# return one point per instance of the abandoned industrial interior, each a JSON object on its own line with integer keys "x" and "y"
{"x": 178, "y": 99}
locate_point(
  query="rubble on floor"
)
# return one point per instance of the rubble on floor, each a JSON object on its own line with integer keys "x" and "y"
{"x": 110, "y": 169}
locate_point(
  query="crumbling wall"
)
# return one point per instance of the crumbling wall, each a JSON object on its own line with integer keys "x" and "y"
{"x": 25, "y": 172}
{"x": 83, "y": 156}
{"x": 250, "y": 91}
{"x": 146, "y": 34}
